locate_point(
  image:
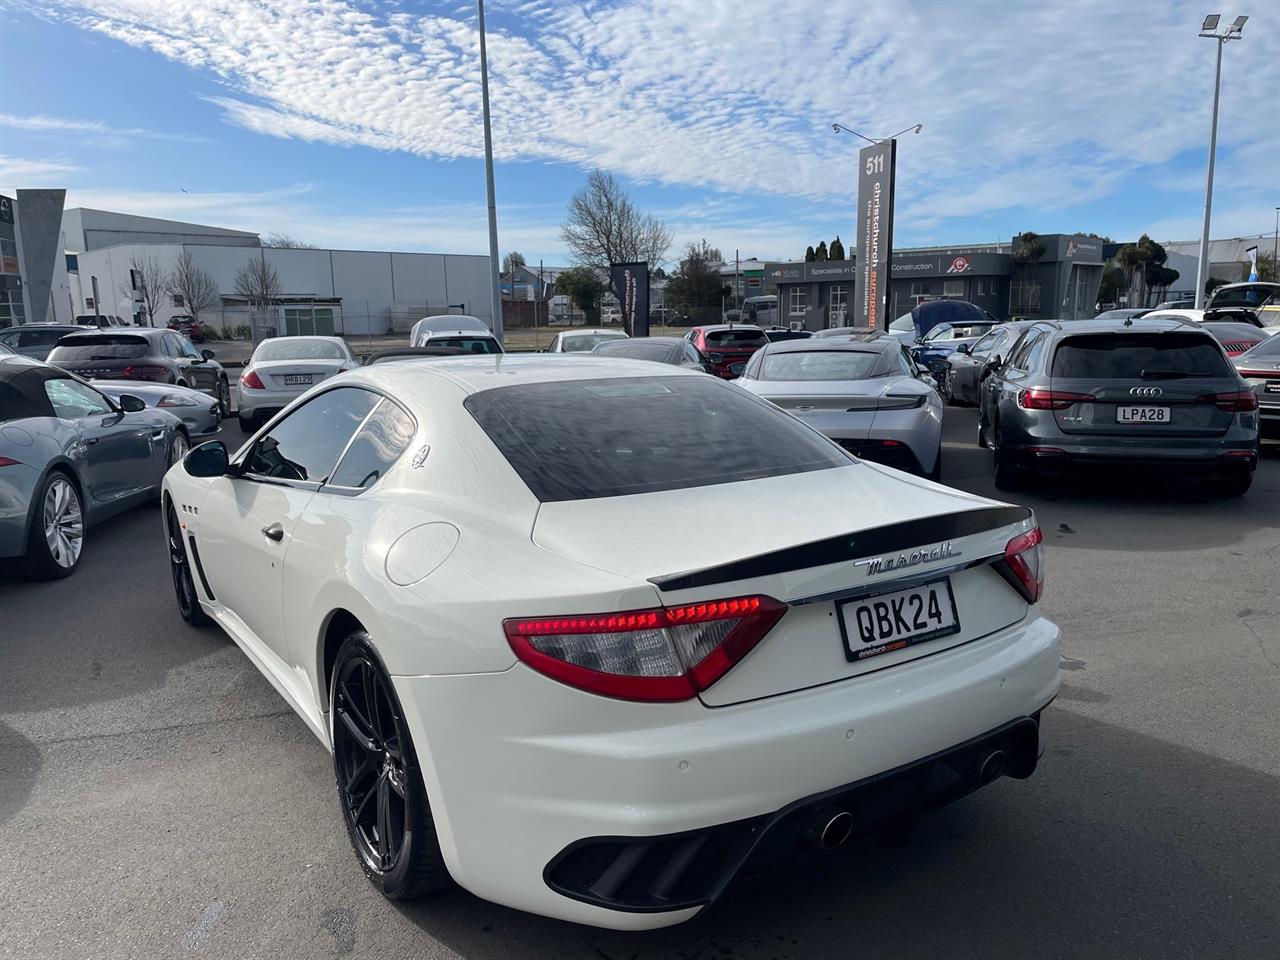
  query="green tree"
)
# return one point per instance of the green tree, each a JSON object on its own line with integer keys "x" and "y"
{"x": 695, "y": 289}
{"x": 1111, "y": 286}
{"x": 836, "y": 251}
{"x": 582, "y": 286}
{"x": 1027, "y": 248}
{"x": 820, "y": 251}
{"x": 809, "y": 255}
{"x": 512, "y": 260}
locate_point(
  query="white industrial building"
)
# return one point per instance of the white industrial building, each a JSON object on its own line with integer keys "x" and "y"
{"x": 345, "y": 292}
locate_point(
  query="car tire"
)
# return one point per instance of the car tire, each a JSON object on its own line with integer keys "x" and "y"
{"x": 184, "y": 585}
{"x": 179, "y": 447}
{"x": 55, "y": 542}
{"x": 1231, "y": 486}
{"x": 375, "y": 765}
{"x": 1007, "y": 476}
{"x": 246, "y": 422}
{"x": 981, "y": 439}
{"x": 224, "y": 398}
{"x": 936, "y": 473}
{"x": 944, "y": 390}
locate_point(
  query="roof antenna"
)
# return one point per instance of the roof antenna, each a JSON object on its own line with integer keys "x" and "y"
{"x": 1128, "y": 321}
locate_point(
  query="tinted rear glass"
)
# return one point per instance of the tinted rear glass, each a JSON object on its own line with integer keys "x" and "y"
{"x": 638, "y": 350}
{"x": 466, "y": 344}
{"x": 585, "y": 342}
{"x": 819, "y": 365}
{"x": 736, "y": 338}
{"x": 1111, "y": 356}
{"x": 286, "y": 349}
{"x": 110, "y": 347}
{"x": 1269, "y": 347}
{"x": 583, "y": 439}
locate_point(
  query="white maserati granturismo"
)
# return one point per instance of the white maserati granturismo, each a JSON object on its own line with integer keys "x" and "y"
{"x": 594, "y": 637}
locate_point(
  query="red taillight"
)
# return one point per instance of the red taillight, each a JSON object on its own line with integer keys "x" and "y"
{"x": 144, "y": 372}
{"x": 6, "y": 462}
{"x": 1236, "y": 401}
{"x": 1023, "y": 564}
{"x": 252, "y": 380}
{"x": 661, "y": 654}
{"x": 1038, "y": 398}
{"x": 1264, "y": 374}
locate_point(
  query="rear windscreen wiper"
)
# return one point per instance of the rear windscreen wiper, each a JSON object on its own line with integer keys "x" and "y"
{"x": 1170, "y": 374}
{"x": 96, "y": 357}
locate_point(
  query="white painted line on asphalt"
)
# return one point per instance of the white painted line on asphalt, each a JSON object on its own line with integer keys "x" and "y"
{"x": 198, "y": 935}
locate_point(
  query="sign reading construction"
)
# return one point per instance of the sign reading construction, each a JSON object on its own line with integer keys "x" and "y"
{"x": 875, "y": 232}
{"x": 631, "y": 287}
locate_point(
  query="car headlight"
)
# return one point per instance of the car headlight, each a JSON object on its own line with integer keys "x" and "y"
{"x": 177, "y": 400}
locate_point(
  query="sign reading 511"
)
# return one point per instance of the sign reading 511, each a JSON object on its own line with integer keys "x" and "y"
{"x": 875, "y": 233}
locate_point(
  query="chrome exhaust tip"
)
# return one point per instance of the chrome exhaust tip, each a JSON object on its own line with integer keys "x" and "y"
{"x": 992, "y": 766}
{"x": 831, "y": 828}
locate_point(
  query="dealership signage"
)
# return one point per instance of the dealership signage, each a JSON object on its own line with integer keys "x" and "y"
{"x": 631, "y": 287}
{"x": 875, "y": 233}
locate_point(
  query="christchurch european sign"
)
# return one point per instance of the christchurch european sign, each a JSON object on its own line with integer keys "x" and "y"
{"x": 875, "y": 233}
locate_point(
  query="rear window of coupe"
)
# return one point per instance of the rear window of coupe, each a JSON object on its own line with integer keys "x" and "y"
{"x": 584, "y": 439}
{"x": 822, "y": 365}
{"x": 1110, "y": 356}
{"x": 736, "y": 338}
{"x": 120, "y": 346}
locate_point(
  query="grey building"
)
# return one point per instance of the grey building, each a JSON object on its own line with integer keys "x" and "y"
{"x": 33, "y": 272}
{"x": 1058, "y": 280}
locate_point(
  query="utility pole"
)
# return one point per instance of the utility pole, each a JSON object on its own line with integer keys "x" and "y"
{"x": 488, "y": 177}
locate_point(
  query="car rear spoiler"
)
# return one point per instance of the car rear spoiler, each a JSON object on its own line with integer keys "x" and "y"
{"x": 892, "y": 538}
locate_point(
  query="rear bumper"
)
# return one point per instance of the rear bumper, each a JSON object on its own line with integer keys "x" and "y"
{"x": 540, "y": 768}
{"x": 265, "y": 401}
{"x": 1059, "y": 460}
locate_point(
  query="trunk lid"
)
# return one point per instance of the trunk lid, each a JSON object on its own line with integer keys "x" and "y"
{"x": 805, "y": 558}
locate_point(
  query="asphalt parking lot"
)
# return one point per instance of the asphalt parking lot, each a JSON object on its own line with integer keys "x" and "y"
{"x": 158, "y": 799}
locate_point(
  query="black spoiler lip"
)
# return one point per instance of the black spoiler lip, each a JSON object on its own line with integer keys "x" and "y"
{"x": 890, "y": 538}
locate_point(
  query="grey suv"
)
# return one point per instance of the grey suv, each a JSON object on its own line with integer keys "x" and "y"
{"x": 1105, "y": 393}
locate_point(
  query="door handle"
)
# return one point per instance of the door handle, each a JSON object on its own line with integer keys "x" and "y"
{"x": 91, "y": 441}
{"x": 273, "y": 532}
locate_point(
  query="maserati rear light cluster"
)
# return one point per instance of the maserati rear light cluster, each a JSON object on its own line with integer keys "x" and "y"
{"x": 661, "y": 654}
{"x": 1038, "y": 398}
{"x": 1234, "y": 401}
{"x": 251, "y": 380}
{"x": 142, "y": 371}
{"x": 1023, "y": 564}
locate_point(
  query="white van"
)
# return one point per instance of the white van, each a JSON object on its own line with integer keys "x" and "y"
{"x": 462, "y": 333}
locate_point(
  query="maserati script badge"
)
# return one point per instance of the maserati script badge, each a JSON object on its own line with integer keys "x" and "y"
{"x": 931, "y": 554}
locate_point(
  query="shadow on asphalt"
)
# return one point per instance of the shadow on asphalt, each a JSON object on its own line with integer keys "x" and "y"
{"x": 1120, "y": 845}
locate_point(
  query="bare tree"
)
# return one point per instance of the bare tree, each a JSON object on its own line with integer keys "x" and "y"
{"x": 197, "y": 289}
{"x": 605, "y": 227}
{"x": 258, "y": 282}
{"x": 287, "y": 240}
{"x": 512, "y": 260}
{"x": 152, "y": 282}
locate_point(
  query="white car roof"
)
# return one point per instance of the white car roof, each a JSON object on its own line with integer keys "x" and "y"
{"x": 591, "y": 331}
{"x": 450, "y": 324}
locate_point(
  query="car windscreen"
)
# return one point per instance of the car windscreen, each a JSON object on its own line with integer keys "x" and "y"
{"x": 820, "y": 365}
{"x": 286, "y": 349}
{"x": 637, "y": 349}
{"x": 1135, "y": 356}
{"x": 118, "y": 346}
{"x": 736, "y": 338}
{"x": 903, "y": 323}
{"x": 584, "y": 439}
{"x": 467, "y": 344}
{"x": 1250, "y": 297}
{"x": 585, "y": 342}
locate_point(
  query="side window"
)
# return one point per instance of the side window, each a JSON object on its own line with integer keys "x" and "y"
{"x": 306, "y": 444}
{"x": 752, "y": 370}
{"x": 72, "y": 399}
{"x": 906, "y": 363}
{"x": 187, "y": 348}
{"x": 375, "y": 448}
{"x": 691, "y": 353}
{"x": 1036, "y": 351}
{"x": 988, "y": 343}
{"x": 1020, "y": 352}
{"x": 171, "y": 348}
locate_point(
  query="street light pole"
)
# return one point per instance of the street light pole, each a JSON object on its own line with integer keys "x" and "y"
{"x": 488, "y": 177}
{"x": 1275, "y": 250}
{"x": 1232, "y": 32}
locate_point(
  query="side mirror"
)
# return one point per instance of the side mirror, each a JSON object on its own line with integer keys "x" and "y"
{"x": 207, "y": 354}
{"x": 964, "y": 348}
{"x": 131, "y": 404}
{"x": 244, "y": 363}
{"x": 207, "y": 460}
{"x": 992, "y": 363}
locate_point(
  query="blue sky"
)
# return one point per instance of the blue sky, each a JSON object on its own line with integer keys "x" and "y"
{"x": 355, "y": 123}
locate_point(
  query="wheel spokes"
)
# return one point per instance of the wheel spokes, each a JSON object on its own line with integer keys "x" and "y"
{"x": 358, "y": 734}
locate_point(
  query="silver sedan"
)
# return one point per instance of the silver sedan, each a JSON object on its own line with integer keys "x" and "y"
{"x": 863, "y": 392}
{"x": 70, "y": 457}
{"x": 200, "y": 413}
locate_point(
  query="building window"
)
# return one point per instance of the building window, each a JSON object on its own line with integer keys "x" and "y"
{"x": 953, "y": 289}
{"x": 177, "y": 299}
{"x": 308, "y": 321}
{"x": 1024, "y": 298}
{"x": 753, "y": 283}
{"x": 799, "y": 301}
{"x": 839, "y": 304}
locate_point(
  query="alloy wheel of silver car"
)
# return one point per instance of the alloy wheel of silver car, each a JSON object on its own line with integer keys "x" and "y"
{"x": 63, "y": 523}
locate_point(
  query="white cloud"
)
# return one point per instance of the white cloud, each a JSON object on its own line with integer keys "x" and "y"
{"x": 1024, "y": 105}
{"x": 18, "y": 172}
{"x": 94, "y": 129}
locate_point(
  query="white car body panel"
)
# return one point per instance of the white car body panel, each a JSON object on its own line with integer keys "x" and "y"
{"x": 277, "y": 394}
{"x": 561, "y": 341}
{"x": 543, "y": 764}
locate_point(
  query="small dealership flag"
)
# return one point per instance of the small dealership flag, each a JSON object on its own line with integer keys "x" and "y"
{"x": 1252, "y": 254}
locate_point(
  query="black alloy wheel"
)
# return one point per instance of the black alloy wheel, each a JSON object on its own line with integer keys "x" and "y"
{"x": 384, "y": 804}
{"x": 223, "y": 392}
{"x": 1007, "y": 475}
{"x": 184, "y": 586}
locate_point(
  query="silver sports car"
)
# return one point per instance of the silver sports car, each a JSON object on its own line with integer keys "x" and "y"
{"x": 70, "y": 457}
{"x": 199, "y": 412}
{"x": 864, "y": 392}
